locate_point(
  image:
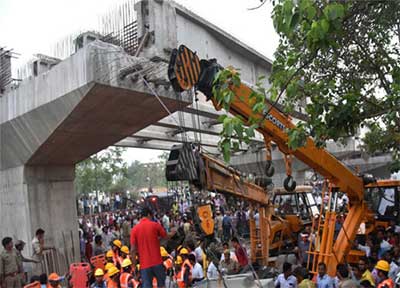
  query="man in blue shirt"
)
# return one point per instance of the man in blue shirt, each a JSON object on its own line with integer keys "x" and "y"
{"x": 323, "y": 279}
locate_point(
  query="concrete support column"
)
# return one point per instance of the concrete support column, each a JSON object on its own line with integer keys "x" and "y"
{"x": 33, "y": 197}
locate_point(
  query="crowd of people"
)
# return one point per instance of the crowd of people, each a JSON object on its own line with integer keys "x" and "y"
{"x": 132, "y": 253}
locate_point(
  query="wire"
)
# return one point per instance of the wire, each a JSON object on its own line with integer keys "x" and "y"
{"x": 159, "y": 99}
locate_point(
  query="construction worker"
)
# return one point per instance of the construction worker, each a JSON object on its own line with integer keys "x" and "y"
{"x": 115, "y": 248}
{"x": 383, "y": 268}
{"x": 99, "y": 282}
{"x": 126, "y": 278}
{"x": 106, "y": 269}
{"x": 113, "y": 282}
{"x": 124, "y": 253}
{"x": 186, "y": 271}
{"x": 9, "y": 267}
{"x": 110, "y": 257}
{"x": 167, "y": 261}
{"x": 54, "y": 281}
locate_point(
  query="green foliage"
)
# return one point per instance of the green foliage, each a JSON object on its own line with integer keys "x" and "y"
{"x": 107, "y": 172}
{"x": 339, "y": 58}
{"x": 102, "y": 172}
{"x": 145, "y": 175}
{"x": 346, "y": 55}
{"x": 235, "y": 130}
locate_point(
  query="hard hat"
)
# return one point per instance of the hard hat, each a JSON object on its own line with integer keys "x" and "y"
{"x": 178, "y": 260}
{"x": 184, "y": 251}
{"x": 117, "y": 243}
{"x": 113, "y": 270}
{"x": 127, "y": 262}
{"x": 109, "y": 254}
{"x": 163, "y": 252}
{"x": 54, "y": 277}
{"x": 108, "y": 266}
{"x": 99, "y": 272}
{"x": 382, "y": 265}
{"x": 125, "y": 249}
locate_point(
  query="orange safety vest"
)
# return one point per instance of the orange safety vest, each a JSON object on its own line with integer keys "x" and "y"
{"x": 181, "y": 274}
{"x": 179, "y": 280}
{"x": 124, "y": 279}
{"x": 112, "y": 284}
{"x": 168, "y": 264}
{"x": 387, "y": 283}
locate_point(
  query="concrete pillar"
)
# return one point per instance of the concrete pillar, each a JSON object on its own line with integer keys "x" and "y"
{"x": 33, "y": 197}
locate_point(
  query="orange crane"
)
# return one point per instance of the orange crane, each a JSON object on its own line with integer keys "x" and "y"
{"x": 186, "y": 71}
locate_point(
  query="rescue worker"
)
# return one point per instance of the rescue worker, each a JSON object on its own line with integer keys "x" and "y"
{"x": 54, "y": 281}
{"x": 126, "y": 279}
{"x": 178, "y": 272}
{"x": 383, "y": 268}
{"x": 124, "y": 253}
{"x": 9, "y": 267}
{"x": 99, "y": 279}
{"x": 167, "y": 261}
{"x": 115, "y": 248}
{"x": 186, "y": 271}
{"x": 113, "y": 282}
{"x": 110, "y": 257}
{"x": 107, "y": 268}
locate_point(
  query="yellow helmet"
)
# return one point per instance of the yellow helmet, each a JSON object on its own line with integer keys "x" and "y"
{"x": 127, "y": 262}
{"x": 108, "y": 266}
{"x": 113, "y": 270}
{"x": 109, "y": 254}
{"x": 178, "y": 260}
{"x": 184, "y": 251}
{"x": 117, "y": 243}
{"x": 125, "y": 249}
{"x": 383, "y": 265}
{"x": 99, "y": 272}
{"x": 163, "y": 252}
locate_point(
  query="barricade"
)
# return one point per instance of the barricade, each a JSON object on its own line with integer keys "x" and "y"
{"x": 79, "y": 274}
{"x": 98, "y": 261}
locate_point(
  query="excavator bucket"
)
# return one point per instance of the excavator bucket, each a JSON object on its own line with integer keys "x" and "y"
{"x": 184, "y": 69}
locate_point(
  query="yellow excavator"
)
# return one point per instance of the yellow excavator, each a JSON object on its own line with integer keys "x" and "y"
{"x": 186, "y": 71}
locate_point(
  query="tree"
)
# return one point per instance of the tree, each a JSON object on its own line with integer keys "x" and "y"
{"x": 340, "y": 58}
{"x": 102, "y": 172}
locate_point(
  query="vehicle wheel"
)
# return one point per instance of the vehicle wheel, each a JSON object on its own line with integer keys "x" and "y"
{"x": 289, "y": 184}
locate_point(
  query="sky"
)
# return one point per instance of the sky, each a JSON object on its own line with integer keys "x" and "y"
{"x": 31, "y": 27}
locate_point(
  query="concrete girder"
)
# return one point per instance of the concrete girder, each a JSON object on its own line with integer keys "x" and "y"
{"x": 89, "y": 108}
{"x": 164, "y": 134}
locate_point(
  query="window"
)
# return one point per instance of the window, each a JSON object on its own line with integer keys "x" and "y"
{"x": 386, "y": 205}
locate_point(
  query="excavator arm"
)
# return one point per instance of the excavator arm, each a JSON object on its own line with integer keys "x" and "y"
{"x": 186, "y": 71}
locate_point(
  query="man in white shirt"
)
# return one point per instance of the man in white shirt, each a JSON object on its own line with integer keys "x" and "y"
{"x": 197, "y": 271}
{"x": 286, "y": 279}
{"x": 212, "y": 271}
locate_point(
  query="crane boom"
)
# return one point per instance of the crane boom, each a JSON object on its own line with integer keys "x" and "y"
{"x": 187, "y": 71}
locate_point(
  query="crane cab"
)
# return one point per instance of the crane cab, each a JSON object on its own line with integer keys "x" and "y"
{"x": 383, "y": 197}
{"x": 297, "y": 207}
